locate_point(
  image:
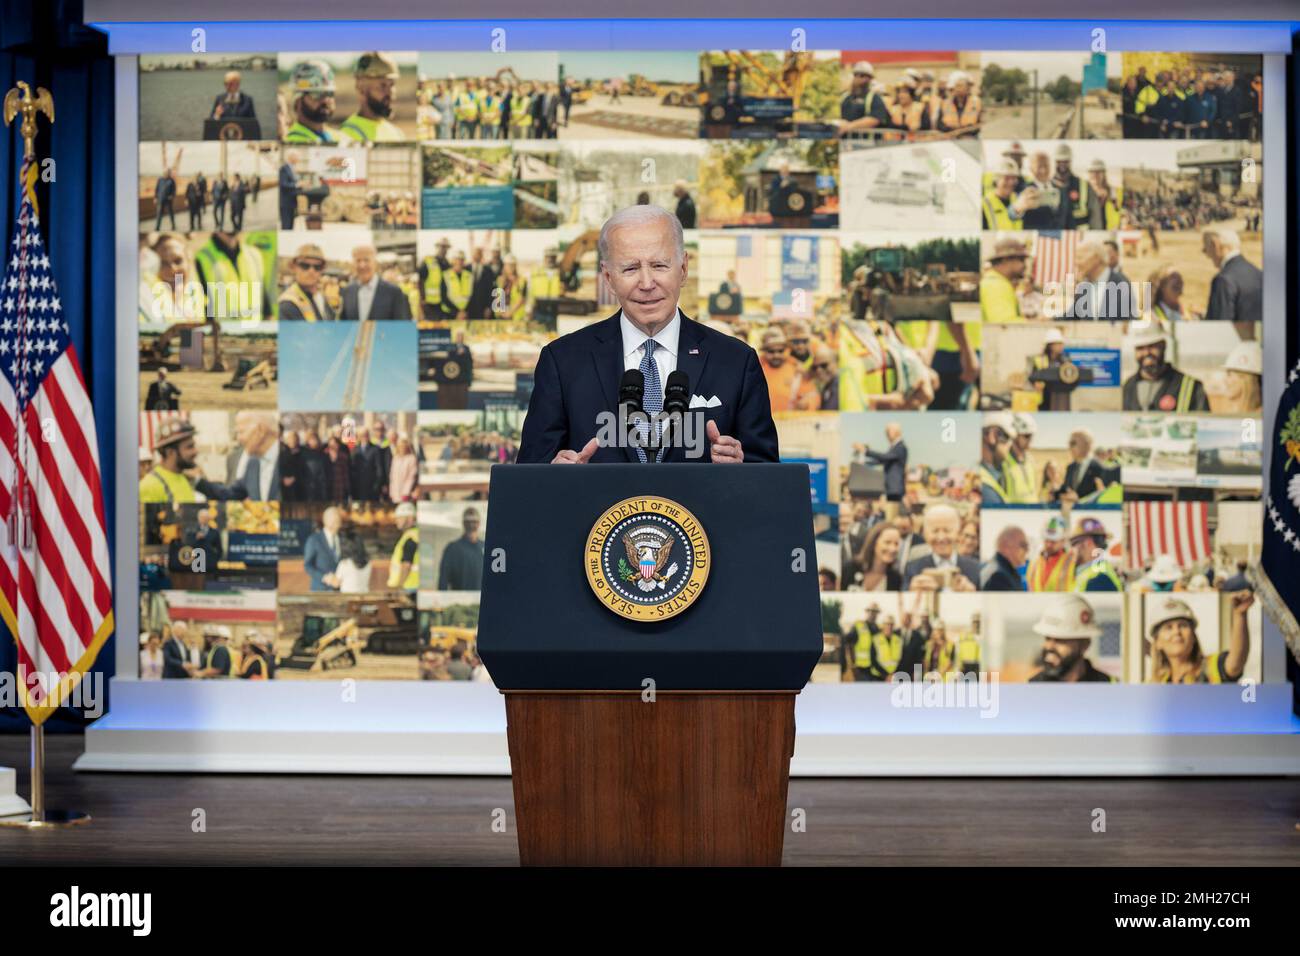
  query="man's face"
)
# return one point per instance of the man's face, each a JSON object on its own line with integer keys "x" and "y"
{"x": 1041, "y": 166}
{"x": 1078, "y": 448}
{"x": 307, "y": 273}
{"x": 1006, "y": 185}
{"x": 1150, "y": 357}
{"x": 999, "y": 443}
{"x": 1090, "y": 265}
{"x": 249, "y": 432}
{"x": 1063, "y": 168}
{"x": 232, "y": 84}
{"x": 941, "y": 532}
{"x": 799, "y": 342}
{"x": 1013, "y": 268}
{"x": 1210, "y": 246}
{"x": 1019, "y": 551}
{"x": 645, "y": 273}
{"x": 331, "y": 520}
{"x": 171, "y": 262}
{"x": 316, "y": 107}
{"x": 1053, "y": 547}
{"x": 1059, "y": 653}
{"x": 363, "y": 264}
{"x": 186, "y": 453}
{"x": 470, "y": 525}
{"x": 1021, "y": 444}
{"x": 376, "y": 93}
{"x": 363, "y": 436}
{"x": 774, "y": 351}
{"x": 1112, "y": 257}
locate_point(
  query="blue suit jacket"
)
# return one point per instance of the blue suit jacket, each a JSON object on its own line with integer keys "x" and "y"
{"x": 319, "y": 559}
{"x": 577, "y": 378}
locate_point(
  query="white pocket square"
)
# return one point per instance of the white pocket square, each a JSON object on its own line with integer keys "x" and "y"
{"x": 699, "y": 401}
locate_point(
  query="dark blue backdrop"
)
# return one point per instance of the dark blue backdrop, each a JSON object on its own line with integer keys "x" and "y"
{"x": 44, "y": 43}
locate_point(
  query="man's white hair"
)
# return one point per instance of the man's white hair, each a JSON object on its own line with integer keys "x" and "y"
{"x": 1226, "y": 237}
{"x": 639, "y": 216}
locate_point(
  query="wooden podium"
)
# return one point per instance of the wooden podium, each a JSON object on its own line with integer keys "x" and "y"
{"x": 695, "y": 771}
{"x": 607, "y": 778}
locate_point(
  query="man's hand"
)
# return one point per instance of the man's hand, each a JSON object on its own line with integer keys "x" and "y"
{"x": 568, "y": 457}
{"x": 723, "y": 449}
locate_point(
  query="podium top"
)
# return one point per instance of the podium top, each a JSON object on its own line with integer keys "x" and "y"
{"x": 603, "y": 577}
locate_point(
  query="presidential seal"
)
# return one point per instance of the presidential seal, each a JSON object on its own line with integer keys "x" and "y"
{"x": 647, "y": 558}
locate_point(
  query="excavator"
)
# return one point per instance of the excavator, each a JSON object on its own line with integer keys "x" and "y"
{"x": 156, "y": 353}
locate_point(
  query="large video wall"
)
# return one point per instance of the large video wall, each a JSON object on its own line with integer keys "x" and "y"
{"x": 1008, "y": 306}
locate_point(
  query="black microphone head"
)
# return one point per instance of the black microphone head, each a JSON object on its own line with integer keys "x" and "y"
{"x": 631, "y": 388}
{"x": 677, "y": 391}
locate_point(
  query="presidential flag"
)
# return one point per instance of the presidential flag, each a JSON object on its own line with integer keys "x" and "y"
{"x": 1279, "y": 585}
{"x": 55, "y": 584}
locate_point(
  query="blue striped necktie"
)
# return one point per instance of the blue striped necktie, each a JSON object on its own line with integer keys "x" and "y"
{"x": 653, "y": 399}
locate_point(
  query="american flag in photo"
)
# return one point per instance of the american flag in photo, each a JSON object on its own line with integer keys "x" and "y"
{"x": 55, "y": 582}
{"x": 1180, "y": 529}
{"x": 1054, "y": 257}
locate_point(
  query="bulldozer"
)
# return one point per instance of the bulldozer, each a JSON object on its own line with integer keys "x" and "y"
{"x": 156, "y": 353}
{"x": 326, "y": 643}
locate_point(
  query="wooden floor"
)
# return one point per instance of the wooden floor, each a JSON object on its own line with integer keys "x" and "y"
{"x": 292, "y": 819}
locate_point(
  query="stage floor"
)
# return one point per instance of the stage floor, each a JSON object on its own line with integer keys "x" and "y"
{"x": 389, "y": 820}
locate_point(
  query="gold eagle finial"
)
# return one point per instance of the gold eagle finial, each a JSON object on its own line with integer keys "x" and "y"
{"x": 20, "y": 100}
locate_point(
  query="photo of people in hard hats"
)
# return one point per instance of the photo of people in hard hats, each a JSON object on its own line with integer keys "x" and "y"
{"x": 199, "y": 456}
{"x": 451, "y": 544}
{"x": 1067, "y": 637}
{"x": 208, "y": 635}
{"x": 1033, "y": 276}
{"x": 327, "y": 188}
{"x": 752, "y": 94}
{"x": 204, "y": 278}
{"x": 1051, "y": 185}
{"x": 890, "y": 97}
{"x": 1061, "y": 367}
{"x": 488, "y": 96}
{"x": 498, "y": 275}
{"x": 211, "y": 96}
{"x": 1164, "y": 456}
{"x": 347, "y": 99}
{"x": 599, "y": 178}
{"x": 933, "y": 187}
{"x": 347, "y": 274}
{"x": 335, "y": 636}
{"x": 769, "y": 184}
{"x": 1182, "y": 96}
{"x": 893, "y": 636}
{"x": 1068, "y": 549}
{"x": 1205, "y": 637}
{"x": 1191, "y": 545}
{"x": 1056, "y": 95}
{"x": 1047, "y": 461}
{"x": 1193, "y": 367}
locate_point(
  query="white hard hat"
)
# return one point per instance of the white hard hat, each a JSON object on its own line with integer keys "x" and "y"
{"x": 217, "y": 630}
{"x": 863, "y": 66}
{"x": 1053, "y": 337}
{"x": 1150, "y": 335}
{"x": 1069, "y": 617}
{"x": 1171, "y": 609}
{"x": 405, "y": 510}
{"x": 1165, "y": 569}
{"x": 957, "y": 76}
{"x": 1063, "y": 151}
{"x": 1003, "y": 420}
{"x": 1006, "y": 167}
{"x": 1198, "y": 582}
{"x": 459, "y": 254}
{"x": 1024, "y": 423}
{"x": 1246, "y": 357}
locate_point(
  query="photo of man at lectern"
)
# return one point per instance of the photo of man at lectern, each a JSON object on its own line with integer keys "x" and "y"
{"x": 606, "y": 392}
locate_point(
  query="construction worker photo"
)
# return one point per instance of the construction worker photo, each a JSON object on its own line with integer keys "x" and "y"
{"x": 1176, "y": 655}
{"x": 311, "y": 94}
{"x": 376, "y": 76}
{"x": 1001, "y": 280}
{"x": 1093, "y": 568}
{"x": 1052, "y": 568}
{"x": 1157, "y": 385}
{"x": 1068, "y": 626}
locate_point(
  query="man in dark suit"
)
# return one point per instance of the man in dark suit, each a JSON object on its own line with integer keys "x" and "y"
{"x": 370, "y": 297}
{"x": 238, "y": 199}
{"x": 481, "y": 285}
{"x": 894, "y": 461}
{"x": 164, "y": 195}
{"x": 207, "y": 539}
{"x": 176, "y": 654}
{"x": 366, "y": 464}
{"x": 1084, "y": 475}
{"x": 1102, "y": 292}
{"x": 1002, "y": 571}
{"x": 1237, "y": 291}
{"x": 162, "y": 396}
{"x": 253, "y": 465}
{"x": 320, "y": 553}
{"x": 576, "y": 382}
{"x": 233, "y": 103}
{"x": 288, "y": 195}
{"x": 943, "y": 567}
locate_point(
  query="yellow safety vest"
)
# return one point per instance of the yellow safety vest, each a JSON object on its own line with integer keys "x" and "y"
{"x": 968, "y": 116}
{"x": 240, "y": 285}
{"x": 412, "y": 579}
{"x": 515, "y": 300}
{"x": 862, "y": 647}
{"x": 987, "y": 480}
{"x": 212, "y": 652}
{"x": 889, "y": 650}
{"x": 945, "y": 656}
{"x": 998, "y": 302}
{"x": 489, "y": 108}
{"x": 1185, "y": 389}
{"x": 867, "y": 372}
{"x": 465, "y": 106}
{"x": 968, "y": 650}
{"x": 997, "y": 214}
{"x": 365, "y": 130}
{"x": 432, "y": 281}
{"x": 1061, "y": 577}
{"x": 1021, "y": 488}
{"x": 301, "y": 299}
{"x": 543, "y": 284}
{"x": 521, "y": 107}
{"x": 1147, "y": 97}
{"x": 161, "y": 486}
{"x": 1096, "y": 569}
{"x": 459, "y": 287}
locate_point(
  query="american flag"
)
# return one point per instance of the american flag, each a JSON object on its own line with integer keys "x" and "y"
{"x": 55, "y": 584}
{"x": 1180, "y": 529}
{"x": 1054, "y": 257}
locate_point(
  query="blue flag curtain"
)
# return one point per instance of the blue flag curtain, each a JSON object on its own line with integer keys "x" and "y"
{"x": 44, "y": 43}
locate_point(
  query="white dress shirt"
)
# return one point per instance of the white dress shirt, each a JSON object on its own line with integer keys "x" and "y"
{"x": 366, "y": 297}
{"x": 266, "y": 473}
{"x": 665, "y": 347}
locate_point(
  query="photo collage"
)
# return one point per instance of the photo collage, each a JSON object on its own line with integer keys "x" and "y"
{"x": 1017, "y": 350}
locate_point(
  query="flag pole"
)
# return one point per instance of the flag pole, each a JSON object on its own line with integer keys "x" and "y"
{"x": 20, "y": 101}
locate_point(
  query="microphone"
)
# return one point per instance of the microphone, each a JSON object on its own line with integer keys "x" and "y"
{"x": 677, "y": 399}
{"x": 631, "y": 397}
